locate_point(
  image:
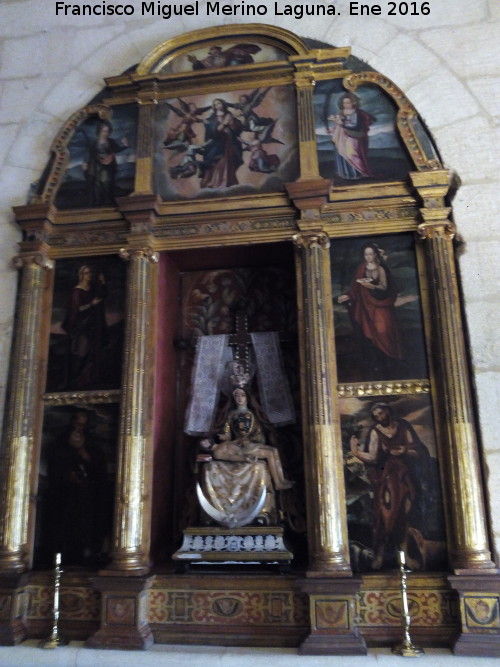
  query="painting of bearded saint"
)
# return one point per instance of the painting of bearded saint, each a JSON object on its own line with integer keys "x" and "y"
{"x": 393, "y": 493}
{"x": 243, "y": 141}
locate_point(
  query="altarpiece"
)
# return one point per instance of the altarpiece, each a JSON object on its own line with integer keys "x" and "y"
{"x": 239, "y": 383}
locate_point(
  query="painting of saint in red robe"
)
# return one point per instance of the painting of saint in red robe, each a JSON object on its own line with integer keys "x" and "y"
{"x": 378, "y": 324}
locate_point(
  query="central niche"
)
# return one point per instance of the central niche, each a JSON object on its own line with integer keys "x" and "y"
{"x": 215, "y": 293}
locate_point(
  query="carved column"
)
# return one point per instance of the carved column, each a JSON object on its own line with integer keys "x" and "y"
{"x": 325, "y": 476}
{"x": 468, "y": 542}
{"x": 22, "y": 407}
{"x": 133, "y": 486}
{"x": 330, "y": 587}
{"x": 16, "y": 463}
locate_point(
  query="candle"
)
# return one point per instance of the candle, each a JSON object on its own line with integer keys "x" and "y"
{"x": 401, "y": 555}
{"x": 58, "y": 558}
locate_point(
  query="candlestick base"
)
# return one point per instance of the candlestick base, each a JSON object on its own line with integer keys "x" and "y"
{"x": 408, "y": 650}
{"x": 53, "y": 641}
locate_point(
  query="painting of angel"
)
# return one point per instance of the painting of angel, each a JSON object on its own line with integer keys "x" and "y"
{"x": 221, "y": 54}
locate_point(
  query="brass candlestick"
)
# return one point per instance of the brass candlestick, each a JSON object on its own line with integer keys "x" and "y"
{"x": 406, "y": 648}
{"x": 55, "y": 639}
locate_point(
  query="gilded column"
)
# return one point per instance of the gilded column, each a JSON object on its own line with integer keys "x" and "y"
{"x": 133, "y": 487}
{"x": 23, "y": 404}
{"x": 468, "y": 542}
{"x": 326, "y": 508}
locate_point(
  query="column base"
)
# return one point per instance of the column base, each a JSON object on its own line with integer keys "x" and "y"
{"x": 13, "y": 603}
{"x": 479, "y": 600}
{"x": 332, "y": 616}
{"x": 124, "y": 620}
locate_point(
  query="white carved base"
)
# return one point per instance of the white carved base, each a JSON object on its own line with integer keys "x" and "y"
{"x": 248, "y": 544}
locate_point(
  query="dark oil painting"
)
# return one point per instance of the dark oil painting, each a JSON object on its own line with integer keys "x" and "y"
{"x": 101, "y": 164}
{"x": 377, "y": 309}
{"x": 76, "y": 485}
{"x": 393, "y": 494}
{"x": 222, "y": 54}
{"x": 86, "y": 334}
{"x": 356, "y": 135}
{"x": 237, "y": 143}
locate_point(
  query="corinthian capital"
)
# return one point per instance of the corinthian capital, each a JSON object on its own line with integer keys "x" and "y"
{"x": 437, "y": 230}
{"x": 37, "y": 258}
{"x": 145, "y": 252}
{"x": 310, "y": 240}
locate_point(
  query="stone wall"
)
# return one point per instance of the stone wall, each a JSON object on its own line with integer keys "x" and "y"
{"x": 446, "y": 62}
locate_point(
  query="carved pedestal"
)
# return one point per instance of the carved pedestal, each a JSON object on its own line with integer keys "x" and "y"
{"x": 241, "y": 545}
{"x": 124, "y": 613}
{"x": 13, "y": 602}
{"x": 479, "y": 598}
{"x": 332, "y": 611}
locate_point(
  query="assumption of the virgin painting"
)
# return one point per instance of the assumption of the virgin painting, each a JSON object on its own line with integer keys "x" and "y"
{"x": 241, "y": 142}
{"x": 356, "y": 135}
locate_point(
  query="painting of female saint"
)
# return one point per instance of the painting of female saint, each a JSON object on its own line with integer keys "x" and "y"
{"x": 392, "y": 483}
{"x": 356, "y": 135}
{"x": 239, "y": 143}
{"x": 76, "y": 485}
{"x": 378, "y": 322}
{"x": 349, "y": 134}
{"x": 101, "y": 161}
{"x": 87, "y": 325}
{"x": 222, "y": 54}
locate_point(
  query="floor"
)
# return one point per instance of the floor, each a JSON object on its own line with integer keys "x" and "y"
{"x": 28, "y": 654}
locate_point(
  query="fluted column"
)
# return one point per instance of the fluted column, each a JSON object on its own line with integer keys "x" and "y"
{"x": 468, "y": 541}
{"x": 16, "y": 464}
{"x": 131, "y": 536}
{"x": 326, "y": 509}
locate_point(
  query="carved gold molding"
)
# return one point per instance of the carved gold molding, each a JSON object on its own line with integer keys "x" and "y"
{"x": 82, "y": 397}
{"x": 386, "y": 388}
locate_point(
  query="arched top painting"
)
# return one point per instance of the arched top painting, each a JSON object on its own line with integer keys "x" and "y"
{"x": 356, "y": 135}
{"x": 227, "y": 46}
{"x": 240, "y": 111}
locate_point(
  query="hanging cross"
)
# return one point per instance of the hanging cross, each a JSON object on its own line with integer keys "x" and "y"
{"x": 241, "y": 340}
